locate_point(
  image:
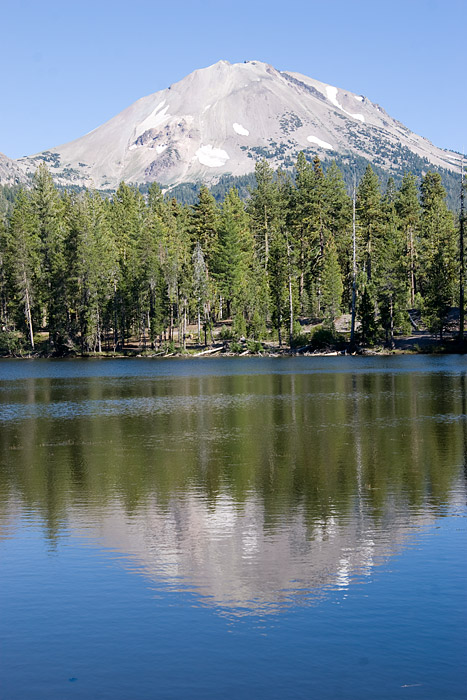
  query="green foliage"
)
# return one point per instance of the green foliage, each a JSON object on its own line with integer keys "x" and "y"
{"x": 332, "y": 287}
{"x": 367, "y": 315}
{"x": 369, "y": 217}
{"x": 8, "y": 194}
{"x": 226, "y": 333}
{"x": 300, "y": 340}
{"x": 236, "y": 347}
{"x": 438, "y": 254}
{"x": 10, "y": 343}
{"x": 99, "y": 273}
{"x": 254, "y": 346}
{"x": 322, "y": 338}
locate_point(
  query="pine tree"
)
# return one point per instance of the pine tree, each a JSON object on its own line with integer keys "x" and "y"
{"x": 4, "y": 281}
{"x": 283, "y": 271}
{"x": 128, "y": 219}
{"x": 306, "y": 224}
{"x": 23, "y": 250}
{"x": 94, "y": 268}
{"x": 438, "y": 254}
{"x": 368, "y": 218}
{"x": 264, "y": 209}
{"x": 331, "y": 282}
{"x": 176, "y": 260}
{"x": 408, "y": 211}
{"x": 234, "y": 265}
{"x": 204, "y": 230}
{"x": 49, "y": 213}
{"x": 462, "y": 257}
{"x": 279, "y": 280}
{"x": 338, "y": 224}
{"x": 391, "y": 278}
{"x": 199, "y": 284}
{"x": 366, "y": 314}
{"x": 204, "y": 225}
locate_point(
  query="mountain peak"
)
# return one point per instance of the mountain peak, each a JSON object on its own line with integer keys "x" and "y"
{"x": 222, "y": 119}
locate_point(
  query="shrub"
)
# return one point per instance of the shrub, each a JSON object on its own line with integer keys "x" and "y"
{"x": 170, "y": 347}
{"x": 226, "y": 333}
{"x": 326, "y": 338}
{"x": 300, "y": 340}
{"x": 10, "y": 343}
{"x": 254, "y": 346}
{"x": 236, "y": 347}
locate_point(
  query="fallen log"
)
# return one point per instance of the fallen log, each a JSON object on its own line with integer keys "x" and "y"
{"x": 210, "y": 351}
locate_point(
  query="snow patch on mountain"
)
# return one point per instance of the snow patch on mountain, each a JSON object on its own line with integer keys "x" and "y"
{"x": 319, "y": 142}
{"x": 358, "y": 97}
{"x": 212, "y": 157}
{"x": 154, "y": 120}
{"x": 331, "y": 93}
{"x": 239, "y": 129}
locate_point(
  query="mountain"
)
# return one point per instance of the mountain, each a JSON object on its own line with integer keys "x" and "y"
{"x": 220, "y": 120}
{"x": 10, "y": 172}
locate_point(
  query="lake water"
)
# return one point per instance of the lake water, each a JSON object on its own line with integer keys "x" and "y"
{"x": 233, "y": 528}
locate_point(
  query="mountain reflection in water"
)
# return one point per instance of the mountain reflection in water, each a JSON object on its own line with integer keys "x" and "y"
{"x": 256, "y": 491}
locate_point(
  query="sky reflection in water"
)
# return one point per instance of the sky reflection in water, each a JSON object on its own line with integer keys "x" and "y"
{"x": 324, "y": 509}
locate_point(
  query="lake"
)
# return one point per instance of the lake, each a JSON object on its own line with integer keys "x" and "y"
{"x": 233, "y": 528}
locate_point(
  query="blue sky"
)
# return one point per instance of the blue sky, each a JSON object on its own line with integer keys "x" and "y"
{"x": 70, "y": 66}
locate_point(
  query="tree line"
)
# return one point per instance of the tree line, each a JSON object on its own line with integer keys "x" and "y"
{"x": 95, "y": 272}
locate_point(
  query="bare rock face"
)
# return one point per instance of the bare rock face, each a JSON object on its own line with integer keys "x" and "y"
{"x": 222, "y": 119}
{"x": 10, "y": 173}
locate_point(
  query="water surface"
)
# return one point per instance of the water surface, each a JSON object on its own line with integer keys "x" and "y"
{"x": 264, "y": 528}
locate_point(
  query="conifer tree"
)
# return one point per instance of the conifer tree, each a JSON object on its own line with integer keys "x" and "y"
{"x": 306, "y": 223}
{"x": 235, "y": 260}
{"x": 4, "y": 287}
{"x": 462, "y": 257}
{"x": 438, "y": 254}
{"x": 152, "y": 242}
{"x": 49, "y": 214}
{"x": 332, "y": 287}
{"x": 338, "y": 224}
{"x": 391, "y": 279}
{"x": 128, "y": 219}
{"x": 176, "y": 260}
{"x": 264, "y": 209}
{"x": 366, "y": 313}
{"x": 282, "y": 269}
{"x": 199, "y": 284}
{"x": 94, "y": 268}
{"x": 408, "y": 211}
{"x": 204, "y": 226}
{"x": 368, "y": 218}
{"x": 204, "y": 229}
{"x": 23, "y": 250}
{"x": 279, "y": 275}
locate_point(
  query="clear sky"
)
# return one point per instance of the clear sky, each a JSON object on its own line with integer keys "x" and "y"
{"x": 70, "y": 66}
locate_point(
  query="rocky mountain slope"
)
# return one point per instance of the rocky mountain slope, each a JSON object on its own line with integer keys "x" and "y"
{"x": 222, "y": 119}
{"x": 10, "y": 172}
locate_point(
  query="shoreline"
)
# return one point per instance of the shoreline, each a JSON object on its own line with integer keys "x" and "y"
{"x": 435, "y": 349}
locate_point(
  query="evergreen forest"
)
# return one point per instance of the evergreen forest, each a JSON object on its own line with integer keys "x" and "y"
{"x": 84, "y": 273}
